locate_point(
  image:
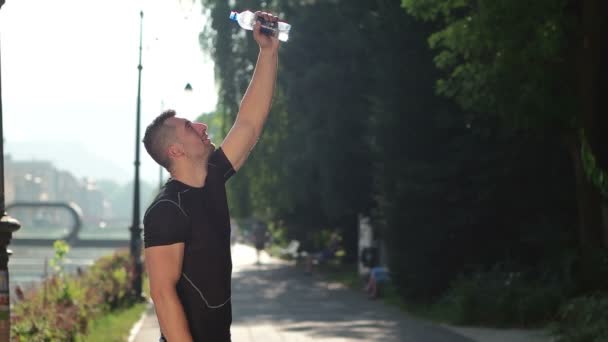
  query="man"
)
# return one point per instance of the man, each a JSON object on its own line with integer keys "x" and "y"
{"x": 260, "y": 237}
{"x": 187, "y": 227}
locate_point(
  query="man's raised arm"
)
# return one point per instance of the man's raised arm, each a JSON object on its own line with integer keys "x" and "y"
{"x": 256, "y": 102}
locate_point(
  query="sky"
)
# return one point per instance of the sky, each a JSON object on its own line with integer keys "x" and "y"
{"x": 69, "y": 76}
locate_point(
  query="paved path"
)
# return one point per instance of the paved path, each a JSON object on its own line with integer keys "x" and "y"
{"x": 278, "y": 302}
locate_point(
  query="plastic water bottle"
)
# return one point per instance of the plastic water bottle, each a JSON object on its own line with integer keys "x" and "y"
{"x": 246, "y": 20}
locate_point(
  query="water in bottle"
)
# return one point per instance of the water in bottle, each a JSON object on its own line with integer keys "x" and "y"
{"x": 246, "y": 20}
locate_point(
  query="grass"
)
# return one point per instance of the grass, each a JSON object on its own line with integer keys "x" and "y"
{"x": 115, "y": 326}
{"x": 274, "y": 251}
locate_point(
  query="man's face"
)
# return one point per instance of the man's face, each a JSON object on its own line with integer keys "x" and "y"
{"x": 193, "y": 138}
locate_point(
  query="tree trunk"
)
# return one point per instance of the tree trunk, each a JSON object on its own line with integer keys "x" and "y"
{"x": 350, "y": 238}
{"x": 595, "y": 123}
{"x": 605, "y": 219}
{"x": 590, "y": 227}
{"x": 589, "y": 73}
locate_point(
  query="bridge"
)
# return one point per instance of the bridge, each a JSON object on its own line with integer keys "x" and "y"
{"x": 32, "y": 245}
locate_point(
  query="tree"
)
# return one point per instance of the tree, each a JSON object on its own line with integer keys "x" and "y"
{"x": 356, "y": 127}
{"x": 517, "y": 60}
{"x": 314, "y": 147}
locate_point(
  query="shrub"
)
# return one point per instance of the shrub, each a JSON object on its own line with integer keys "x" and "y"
{"x": 501, "y": 298}
{"x": 583, "y": 319}
{"x": 61, "y": 308}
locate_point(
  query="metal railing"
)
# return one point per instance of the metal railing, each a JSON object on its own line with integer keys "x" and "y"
{"x": 72, "y": 208}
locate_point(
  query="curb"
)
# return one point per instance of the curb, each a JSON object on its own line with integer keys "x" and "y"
{"x": 137, "y": 326}
{"x": 484, "y": 334}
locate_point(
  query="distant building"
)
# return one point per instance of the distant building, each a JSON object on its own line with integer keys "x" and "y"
{"x": 93, "y": 203}
{"x": 40, "y": 181}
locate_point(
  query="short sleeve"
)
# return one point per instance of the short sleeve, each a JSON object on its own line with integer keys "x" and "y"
{"x": 165, "y": 223}
{"x": 221, "y": 164}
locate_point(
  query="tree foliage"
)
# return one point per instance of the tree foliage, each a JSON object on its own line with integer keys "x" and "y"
{"x": 446, "y": 122}
{"x": 524, "y": 62}
{"x": 506, "y": 58}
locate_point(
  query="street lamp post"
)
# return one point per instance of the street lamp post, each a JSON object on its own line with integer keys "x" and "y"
{"x": 135, "y": 247}
{"x": 188, "y": 88}
{"x": 8, "y": 226}
{"x": 160, "y": 178}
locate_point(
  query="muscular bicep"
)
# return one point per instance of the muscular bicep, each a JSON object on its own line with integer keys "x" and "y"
{"x": 238, "y": 143}
{"x": 164, "y": 266}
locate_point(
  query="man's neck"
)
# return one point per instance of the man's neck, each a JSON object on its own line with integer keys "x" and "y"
{"x": 192, "y": 174}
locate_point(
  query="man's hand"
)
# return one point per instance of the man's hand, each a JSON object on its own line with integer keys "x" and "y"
{"x": 265, "y": 41}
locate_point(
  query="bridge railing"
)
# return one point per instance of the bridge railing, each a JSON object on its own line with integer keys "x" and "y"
{"x": 45, "y": 222}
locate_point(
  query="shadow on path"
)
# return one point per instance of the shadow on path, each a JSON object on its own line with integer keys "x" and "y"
{"x": 296, "y": 304}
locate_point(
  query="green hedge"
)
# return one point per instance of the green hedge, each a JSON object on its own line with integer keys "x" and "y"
{"x": 61, "y": 308}
{"x": 583, "y": 319}
{"x": 501, "y": 298}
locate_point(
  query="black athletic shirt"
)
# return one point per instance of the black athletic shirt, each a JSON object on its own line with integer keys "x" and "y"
{"x": 199, "y": 218}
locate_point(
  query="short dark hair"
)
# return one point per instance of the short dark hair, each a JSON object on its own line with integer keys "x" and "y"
{"x": 157, "y": 138}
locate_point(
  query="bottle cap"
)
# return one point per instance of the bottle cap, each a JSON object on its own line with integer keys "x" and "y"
{"x": 233, "y": 15}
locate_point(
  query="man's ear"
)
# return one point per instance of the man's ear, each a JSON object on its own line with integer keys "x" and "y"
{"x": 175, "y": 151}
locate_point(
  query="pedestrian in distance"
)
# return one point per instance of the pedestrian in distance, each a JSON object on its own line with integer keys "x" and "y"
{"x": 260, "y": 238}
{"x": 187, "y": 226}
{"x": 378, "y": 277}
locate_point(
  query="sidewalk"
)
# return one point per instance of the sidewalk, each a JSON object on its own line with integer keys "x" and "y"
{"x": 277, "y": 302}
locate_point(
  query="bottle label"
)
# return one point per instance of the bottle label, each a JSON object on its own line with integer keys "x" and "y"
{"x": 269, "y": 28}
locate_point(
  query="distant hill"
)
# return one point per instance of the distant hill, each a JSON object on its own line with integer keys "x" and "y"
{"x": 70, "y": 157}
